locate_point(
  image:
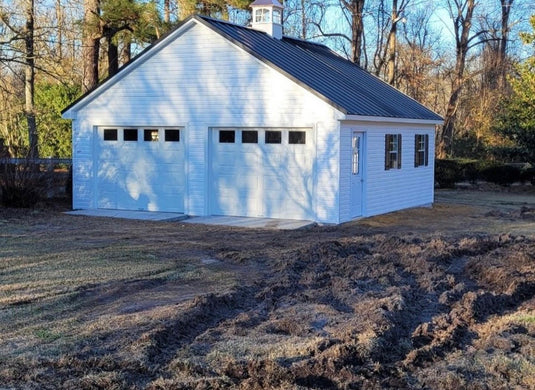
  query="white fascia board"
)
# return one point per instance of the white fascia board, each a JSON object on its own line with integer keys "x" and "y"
{"x": 362, "y": 118}
{"x": 128, "y": 68}
{"x": 70, "y": 114}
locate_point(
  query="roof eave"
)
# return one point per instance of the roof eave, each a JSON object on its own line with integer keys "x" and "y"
{"x": 415, "y": 121}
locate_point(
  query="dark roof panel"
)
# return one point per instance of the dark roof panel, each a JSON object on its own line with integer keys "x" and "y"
{"x": 337, "y": 80}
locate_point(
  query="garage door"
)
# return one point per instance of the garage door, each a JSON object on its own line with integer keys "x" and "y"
{"x": 140, "y": 169}
{"x": 262, "y": 173}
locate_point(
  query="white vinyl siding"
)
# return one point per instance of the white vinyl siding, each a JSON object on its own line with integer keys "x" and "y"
{"x": 198, "y": 81}
{"x": 387, "y": 190}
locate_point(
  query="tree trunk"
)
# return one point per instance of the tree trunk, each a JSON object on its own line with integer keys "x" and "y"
{"x": 167, "y": 11}
{"x": 462, "y": 24}
{"x": 29, "y": 80}
{"x": 303, "y": 20}
{"x": 126, "y": 53}
{"x": 357, "y": 30}
{"x": 113, "y": 55}
{"x": 502, "y": 55}
{"x": 90, "y": 45}
{"x": 59, "y": 27}
{"x": 391, "y": 64}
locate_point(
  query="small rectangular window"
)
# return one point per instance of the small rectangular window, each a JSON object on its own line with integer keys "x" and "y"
{"x": 392, "y": 151}
{"x": 421, "y": 150}
{"x": 249, "y": 137}
{"x": 297, "y": 137}
{"x": 273, "y": 137}
{"x": 355, "y": 166}
{"x": 110, "y": 134}
{"x": 151, "y": 135}
{"x": 172, "y": 135}
{"x": 227, "y": 136}
{"x": 130, "y": 134}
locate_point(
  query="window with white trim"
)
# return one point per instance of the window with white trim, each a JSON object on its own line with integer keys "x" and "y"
{"x": 392, "y": 151}
{"x": 262, "y": 15}
{"x": 277, "y": 16}
{"x": 421, "y": 150}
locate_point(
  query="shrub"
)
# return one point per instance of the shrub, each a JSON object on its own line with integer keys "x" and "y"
{"x": 504, "y": 175}
{"x": 21, "y": 185}
{"x": 447, "y": 173}
{"x": 527, "y": 175}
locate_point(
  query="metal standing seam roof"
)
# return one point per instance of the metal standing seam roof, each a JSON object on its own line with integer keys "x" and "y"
{"x": 342, "y": 83}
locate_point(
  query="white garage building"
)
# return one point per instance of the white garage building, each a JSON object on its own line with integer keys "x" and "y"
{"x": 220, "y": 119}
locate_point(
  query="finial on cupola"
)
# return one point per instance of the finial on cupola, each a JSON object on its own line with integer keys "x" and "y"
{"x": 267, "y": 17}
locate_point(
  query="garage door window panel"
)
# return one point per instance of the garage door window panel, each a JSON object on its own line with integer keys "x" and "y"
{"x": 297, "y": 137}
{"x": 172, "y": 135}
{"x": 151, "y": 135}
{"x": 273, "y": 137}
{"x": 249, "y": 137}
{"x": 110, "y": 134}
{"x": 227, "y": 136}
{"x": 130, "y": 135}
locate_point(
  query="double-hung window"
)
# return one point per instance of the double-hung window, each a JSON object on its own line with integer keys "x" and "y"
{"x": 392, "y": 151}
{"x": 421, "y": 150}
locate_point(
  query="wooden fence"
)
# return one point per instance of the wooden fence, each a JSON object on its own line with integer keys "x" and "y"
{"x": 40, "y": 161}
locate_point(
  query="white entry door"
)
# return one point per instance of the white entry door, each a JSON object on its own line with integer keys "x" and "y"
{"x": 357, "y": 173}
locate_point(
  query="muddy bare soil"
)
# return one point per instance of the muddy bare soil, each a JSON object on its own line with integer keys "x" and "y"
{"x": 439, "y": 298}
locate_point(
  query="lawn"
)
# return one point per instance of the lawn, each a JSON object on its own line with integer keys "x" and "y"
{"x": 439, "y": 298}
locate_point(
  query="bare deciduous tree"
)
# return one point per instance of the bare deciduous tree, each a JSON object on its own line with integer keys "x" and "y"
{"x": 461, "y": 12}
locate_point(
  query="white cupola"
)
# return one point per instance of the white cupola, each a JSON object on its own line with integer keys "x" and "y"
{"x": 267, "y": 17}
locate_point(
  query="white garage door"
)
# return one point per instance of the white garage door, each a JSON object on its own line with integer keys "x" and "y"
{"x": 140, "y": 169}
{"x": 262, "y": 173}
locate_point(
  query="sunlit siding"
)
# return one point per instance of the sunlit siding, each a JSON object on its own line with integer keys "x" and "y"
{"x": 82, "y": 165}
{"x": 199, "y": 80}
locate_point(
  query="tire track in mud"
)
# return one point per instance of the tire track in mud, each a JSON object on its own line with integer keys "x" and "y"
{"x": 465, "y": 305}
{"x": 422, "y": 299}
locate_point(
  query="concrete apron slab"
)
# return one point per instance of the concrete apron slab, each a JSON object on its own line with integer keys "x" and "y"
{"x": 127, "y": 214}
{"x": 245, "y": 222}
{"x": 249, "y": 222}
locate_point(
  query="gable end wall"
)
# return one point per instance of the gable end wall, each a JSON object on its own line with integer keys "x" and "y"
{"x": 200, "y": 81}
